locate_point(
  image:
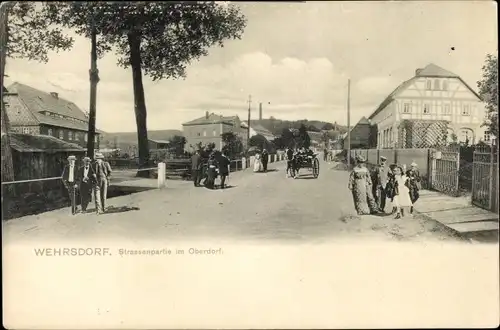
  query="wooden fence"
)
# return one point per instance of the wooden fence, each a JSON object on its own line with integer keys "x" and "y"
{"x": 485, "y": 178}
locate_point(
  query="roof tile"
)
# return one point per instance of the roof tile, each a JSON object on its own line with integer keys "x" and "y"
{"x": 38, "y": 101}
{"x": 40, "y": 143}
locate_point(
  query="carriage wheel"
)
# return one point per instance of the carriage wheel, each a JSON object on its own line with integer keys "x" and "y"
{"x": 315, "y": 167}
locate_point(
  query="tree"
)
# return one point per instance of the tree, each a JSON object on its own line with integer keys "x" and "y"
{"x": 158, "y": 39}
{"x": 288, "y": 138}
{"x": 25, "y": 32}
{"x": 177, "y": 144}
{"x": 328, "y": 127}
{"x": 232, "y": 144}
{"x": 304, "y": 138}
{"x": 488, "y": 90}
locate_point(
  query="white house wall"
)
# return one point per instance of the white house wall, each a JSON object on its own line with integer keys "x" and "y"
{"x": 386, "y": 126}
{"x": 450, "y": 104}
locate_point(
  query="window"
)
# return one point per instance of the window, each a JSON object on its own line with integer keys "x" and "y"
{"x": 429, "y": 85}
{"x": 436, "y": 84}
{"x": 77, "y": 136}
{"x": 447, "y": 109}
{"x": 26, "y": 130}
{"x": 445, "y": 85}
{"x": 487, "y": 136}
{"x": 199, "y": 134}
{"x": 407, "y": 108}
{"x": 466, "y": 110}
{"x": 427, "y": 109}
{"x": 204, "y": 133}
{"x": 390, "y": 137}
{"x": 95, "y": 138}
{"x": 70, "y": 135}
{"x": 61, "y": 134}
{"x": 86, "y": 137}
{"x": 215, "y": 133}
{"x": 49, "y": 132}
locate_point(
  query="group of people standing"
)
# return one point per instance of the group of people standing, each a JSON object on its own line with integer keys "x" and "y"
{"x": 207, "y": 164}
{"x": 261, "y": 161}
{"x": 371, "y": 189}
{"x": 92, "y": 178}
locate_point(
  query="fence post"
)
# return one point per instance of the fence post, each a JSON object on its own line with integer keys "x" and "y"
{"x": 490, "y": 188}
{"x": 473, "y": 176}
{"x": 433, "y": 168}
{"x": 162, "y": 168}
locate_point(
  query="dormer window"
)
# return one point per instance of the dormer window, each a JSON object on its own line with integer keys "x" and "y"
{"x": 445, "y": 85}
{"x": 436, "y": 84}
{"x": 429, "y": 85}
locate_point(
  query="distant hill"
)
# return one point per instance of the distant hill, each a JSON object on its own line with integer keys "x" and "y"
{"x": 124, "y": 140}
{"x": 276, "y": 126}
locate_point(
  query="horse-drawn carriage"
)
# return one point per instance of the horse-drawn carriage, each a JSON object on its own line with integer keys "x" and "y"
{"x": 309, "y": 161}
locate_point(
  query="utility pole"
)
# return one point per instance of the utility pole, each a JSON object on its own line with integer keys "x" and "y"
{"x": 349, "y": 123}
{"x": 94, "y": 79}
{"x": 249, "y": 110}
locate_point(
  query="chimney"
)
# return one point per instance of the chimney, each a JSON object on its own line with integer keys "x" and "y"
{"x": 260, "y": 111}
{"x": 207, "y": 115}
{"x": 54, "y": 95}
{"x": 417, "y": 72}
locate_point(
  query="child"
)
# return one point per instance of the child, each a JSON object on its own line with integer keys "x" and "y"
{"x": 401, "y": 192}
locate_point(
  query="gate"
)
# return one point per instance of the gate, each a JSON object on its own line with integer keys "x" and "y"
{"x": 444, "y": 170}
{"x": 485, "y": 179}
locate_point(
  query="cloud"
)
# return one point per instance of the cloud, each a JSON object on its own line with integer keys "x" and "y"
{"x": 377, "y": 85}
{"x": 297, "y": 57}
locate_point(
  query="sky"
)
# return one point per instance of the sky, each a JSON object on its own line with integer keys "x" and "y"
{"x": 295, "y": 58}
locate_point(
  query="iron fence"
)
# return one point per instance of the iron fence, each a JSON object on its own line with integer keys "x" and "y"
{"x": 485, "y": 178}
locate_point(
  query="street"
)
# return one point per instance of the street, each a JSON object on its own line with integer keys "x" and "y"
{"x": 257, "y": 206}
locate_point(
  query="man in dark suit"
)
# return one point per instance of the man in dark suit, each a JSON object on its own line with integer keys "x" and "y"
{"x": 86, "y": 180}
{"x": 70, "y": 181}
{"x": 196, "y": 163}
{"x": 224, "y": 169}
{"x": 265, "y": 159}
{"x": 379, "y": 183}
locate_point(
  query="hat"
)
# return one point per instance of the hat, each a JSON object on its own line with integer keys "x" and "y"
{"x": 414, "y": 164}
{"x": 86, "y": 159}
{"x": 382, "y": 158}
{"x": 360, "y": 159}
{"x": 99, "y": 156}
{"x": 71, "y": 157}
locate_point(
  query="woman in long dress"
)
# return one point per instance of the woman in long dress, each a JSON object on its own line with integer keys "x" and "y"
{"x": 360, "y": 184}
{"x": 401, "y": 192}
{"x": 257, "y": 165}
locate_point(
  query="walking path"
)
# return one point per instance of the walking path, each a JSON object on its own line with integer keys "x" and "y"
{"x": 258, "y": 207}
{"x": 458, "y": 214}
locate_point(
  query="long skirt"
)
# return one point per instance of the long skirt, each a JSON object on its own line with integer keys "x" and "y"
{"x": 257, "y": 166}
{"x": 362, "y": 195}
{"x": 402, "y": 199}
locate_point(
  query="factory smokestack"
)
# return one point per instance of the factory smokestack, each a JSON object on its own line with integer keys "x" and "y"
{"x": 260, "y": 111}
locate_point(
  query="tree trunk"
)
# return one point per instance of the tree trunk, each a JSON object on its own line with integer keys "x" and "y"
{"x": 134, "y": 42}
{"x": 7, "y": 163}
{"x": 94, "y": 79}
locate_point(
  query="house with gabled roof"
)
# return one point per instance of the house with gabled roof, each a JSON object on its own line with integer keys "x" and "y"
{"x": 433, "y": 105}
{"x": 210, "y": 128}
{"x": 35, "y": 112}
{"x": 360, "y": 135}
